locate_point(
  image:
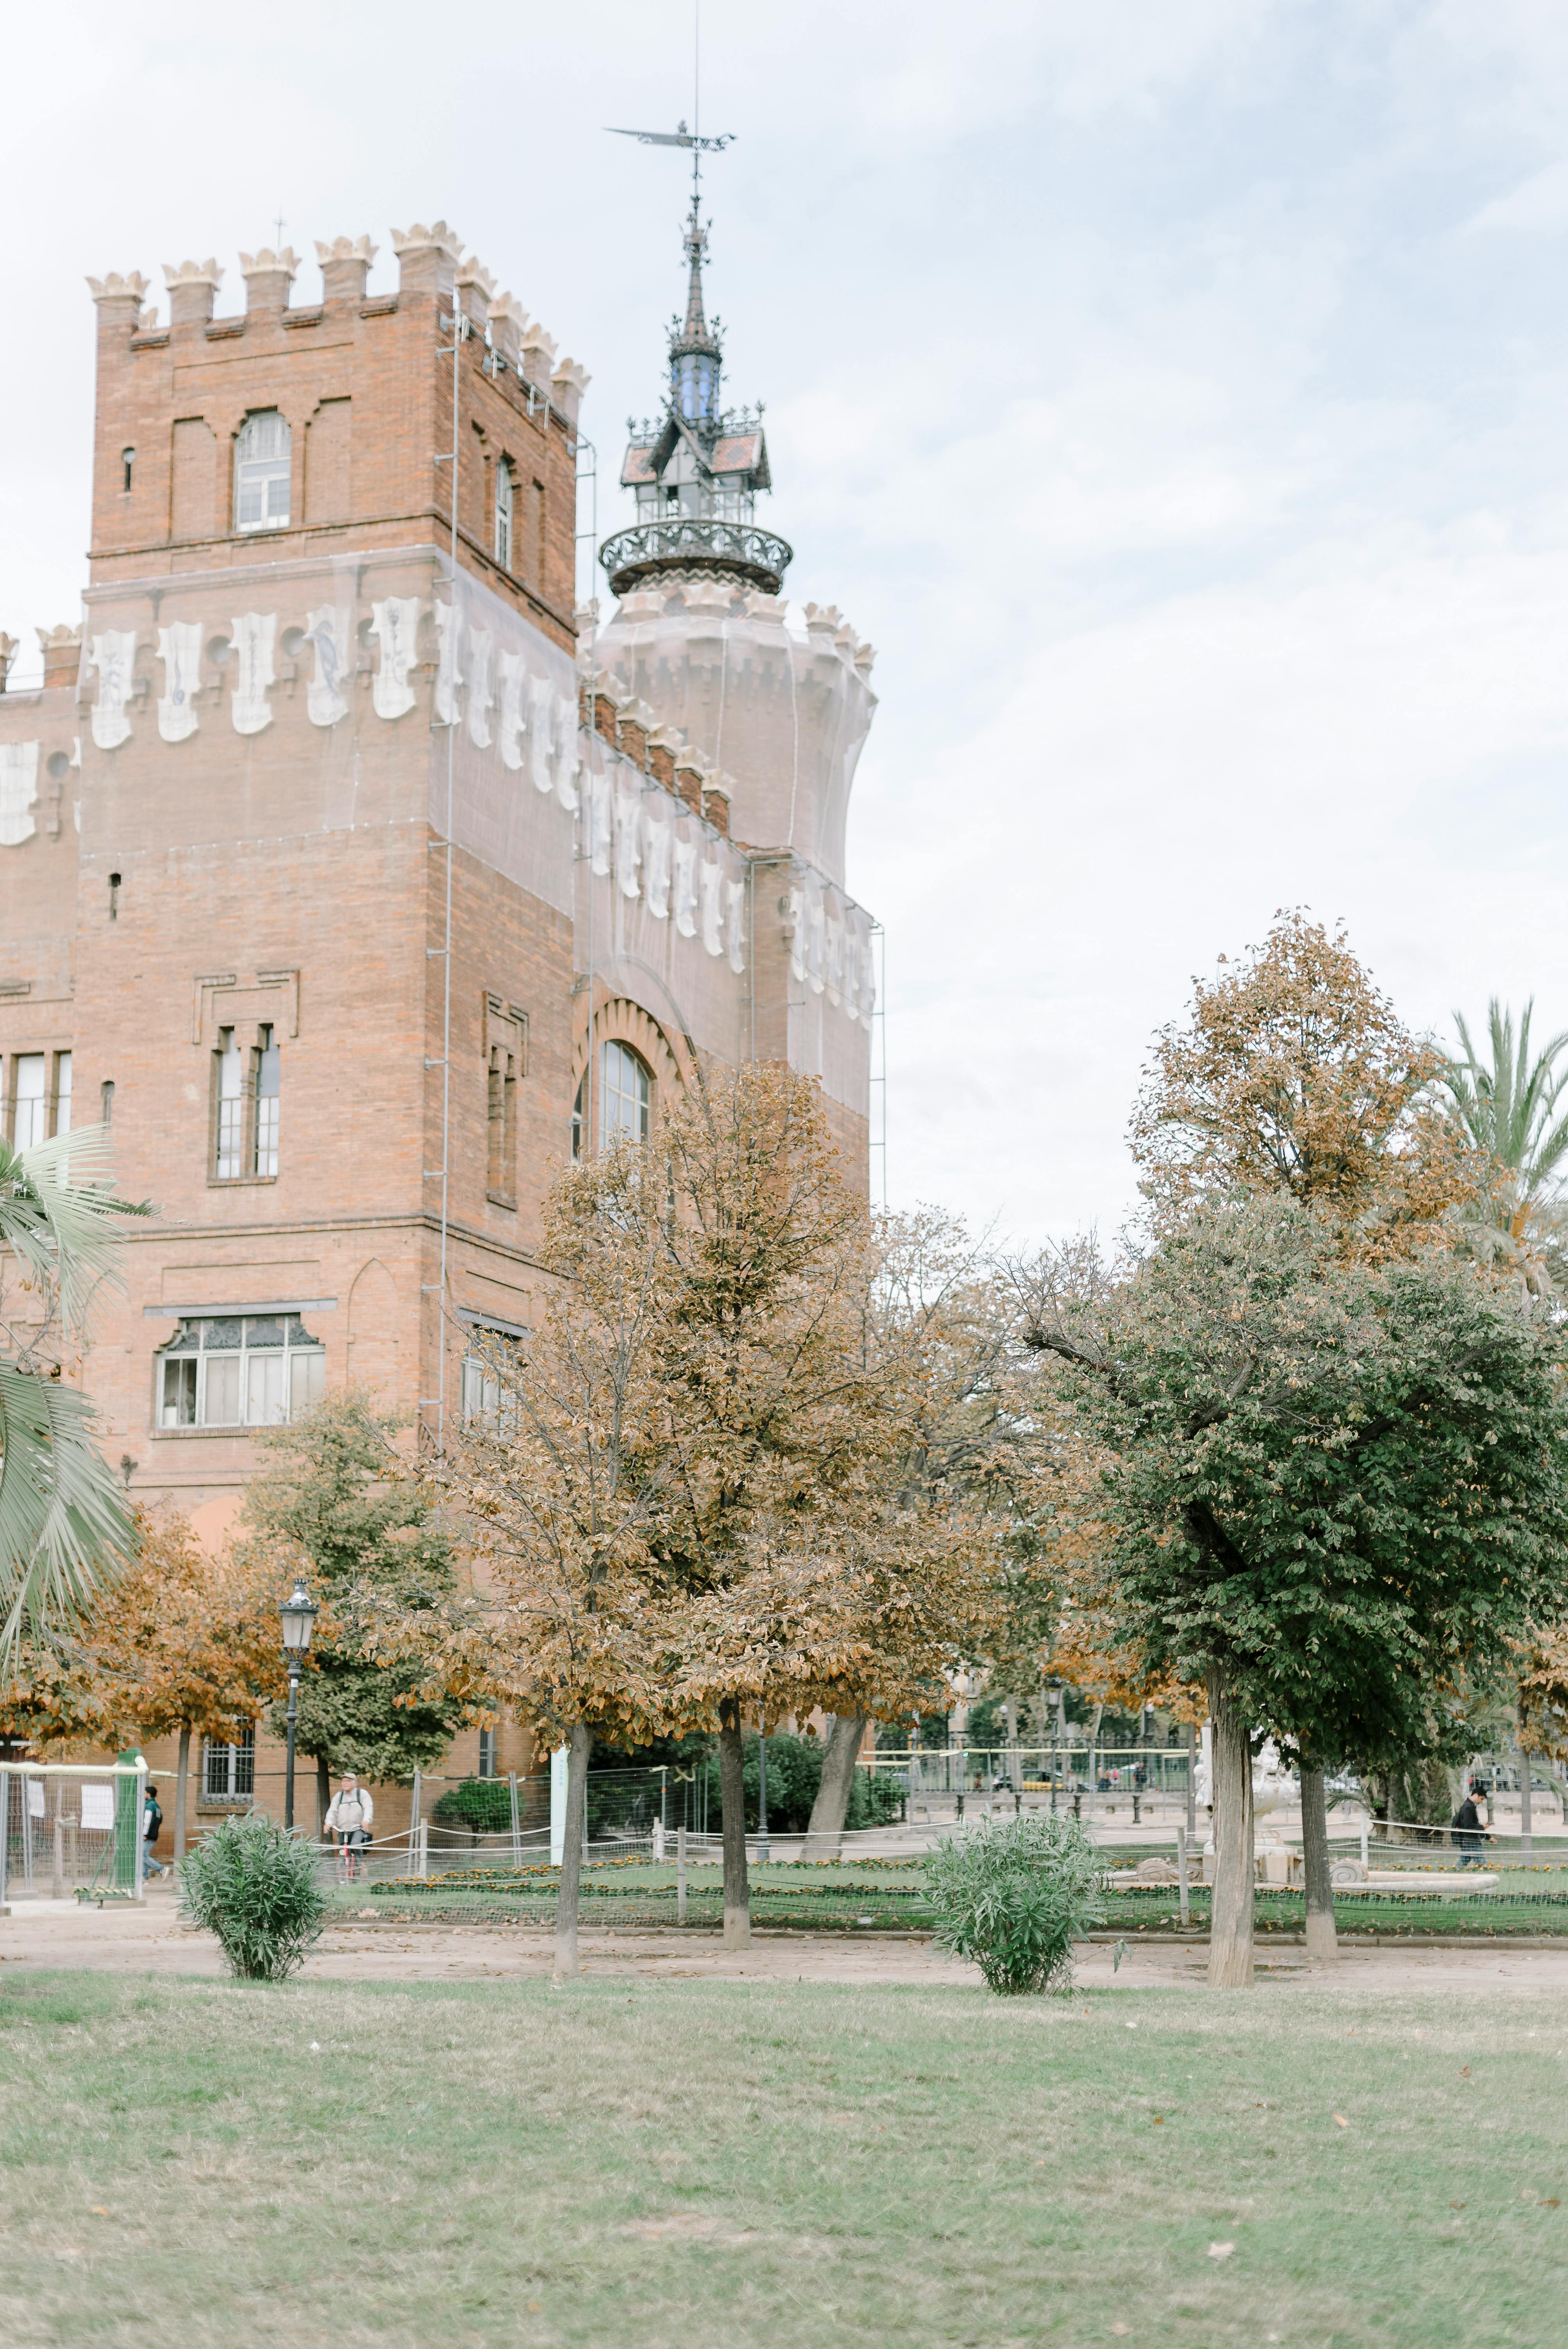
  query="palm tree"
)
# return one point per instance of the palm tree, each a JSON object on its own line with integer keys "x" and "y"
{"x": 1509, "y": 1107}
{"x": 64, "y": 1522}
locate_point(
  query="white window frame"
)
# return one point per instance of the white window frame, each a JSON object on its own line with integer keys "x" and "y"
{"x": 192, "y": 1381}
{"x": 263, "y": 466}
{"x": 505, "y": 512}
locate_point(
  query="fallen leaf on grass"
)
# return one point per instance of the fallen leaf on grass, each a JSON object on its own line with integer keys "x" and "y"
{"x": 1121, "y": 2328}
{"x": 1464, "y": 2071}
{"x": 1340, "y": 2121}
{"x": 99, "y": 2211}
{"x": 1456, "y": 2206}
{"x": 1552, "y": 2203}
{"x": 1221, "y": 2251}
{"x": 1158, "y": 2120}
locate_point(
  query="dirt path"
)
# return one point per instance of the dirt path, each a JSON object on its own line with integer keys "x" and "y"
{"x": 152, "y": 1940}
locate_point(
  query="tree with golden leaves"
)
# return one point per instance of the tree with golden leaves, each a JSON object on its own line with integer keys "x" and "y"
{"x": 187, "y": 1644}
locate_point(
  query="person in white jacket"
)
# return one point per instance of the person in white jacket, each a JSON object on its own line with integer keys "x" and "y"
{"x": 350, "y": 1816}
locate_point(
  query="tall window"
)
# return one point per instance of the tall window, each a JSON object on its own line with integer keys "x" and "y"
{"x": 229, "y": 1370}
{"x": 227, "y": 1161}
{"x": 229, "y": 1772}
{"x": 501, "y": 1110}
{"x": 62, "y": 1092}
{"x": 487, "y": 1754}
{"x": 625, "y": 1088}
{"x": 265, "y": 1159}
{"x": 30, "y": 1101}
{"x": 245, "y": 1086}
{"x": 503, "y": 515}
{"x": 261, "y": 459}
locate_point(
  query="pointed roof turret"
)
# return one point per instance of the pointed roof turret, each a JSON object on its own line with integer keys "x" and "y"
{"x": 698, "y": 469}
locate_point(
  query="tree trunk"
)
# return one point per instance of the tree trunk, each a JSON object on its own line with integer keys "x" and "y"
{"x": 179, "y": 1786}
{"x": 1231, "y": 1925}
{"x": 1322, "y": 1944}
{"x": 578, "y": 1750}
{"x": 825, "y": 1828}
{"x": 732, "y": 1801}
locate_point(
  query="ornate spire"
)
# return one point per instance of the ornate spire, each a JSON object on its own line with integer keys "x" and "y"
{"x": 696, "y": 352}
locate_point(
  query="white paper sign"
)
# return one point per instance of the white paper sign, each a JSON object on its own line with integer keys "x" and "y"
{"x": 34, "y": 1798}
{"x": 98, "y": 1806}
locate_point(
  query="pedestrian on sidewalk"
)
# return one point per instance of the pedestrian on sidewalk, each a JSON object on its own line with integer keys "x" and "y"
{"x": 348, "y": 1817}
{"x": 1466, "y": 1826}
{"x": 151, "y": 1827}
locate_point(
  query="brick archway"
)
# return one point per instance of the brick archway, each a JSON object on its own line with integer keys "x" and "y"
{"x": 618, "y": 1020}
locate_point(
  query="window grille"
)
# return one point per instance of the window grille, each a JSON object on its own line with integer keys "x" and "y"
{"x": 503, "y": 515}
{"x": 266, "y": 1151}
{"x": 231, "y": 1369}
{"x": 262, "y": 463}
{"x": 229, "y": 1772}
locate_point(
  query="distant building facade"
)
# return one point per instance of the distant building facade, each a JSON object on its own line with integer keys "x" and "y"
{"x": 353, "y": 874}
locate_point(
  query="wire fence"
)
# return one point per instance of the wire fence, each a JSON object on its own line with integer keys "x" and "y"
{"x": 72, "y": 1827}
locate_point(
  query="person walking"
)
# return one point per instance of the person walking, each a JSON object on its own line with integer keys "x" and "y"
{"x": 1466, "y": 1825}
{"x": 151, "y": 1827}
{"x": 350, "y": 1816}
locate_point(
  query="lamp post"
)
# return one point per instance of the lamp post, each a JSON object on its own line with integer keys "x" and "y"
{"x": 298, "y": 1614}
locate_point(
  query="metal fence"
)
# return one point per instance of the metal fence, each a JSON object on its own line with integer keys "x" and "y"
{"x": 71, "y": 1827}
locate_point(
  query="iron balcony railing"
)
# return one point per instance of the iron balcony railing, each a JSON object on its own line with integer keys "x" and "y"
{"x": 696, "y": 541}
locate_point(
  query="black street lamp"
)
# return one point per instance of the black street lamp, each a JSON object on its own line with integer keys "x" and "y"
{"x": 298, "y": 1614}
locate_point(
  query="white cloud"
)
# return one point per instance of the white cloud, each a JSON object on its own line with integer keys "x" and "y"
{"x": 1538, "y": 206}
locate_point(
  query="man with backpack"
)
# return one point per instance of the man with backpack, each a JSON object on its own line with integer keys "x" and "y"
{"x": 349, "y": 1818}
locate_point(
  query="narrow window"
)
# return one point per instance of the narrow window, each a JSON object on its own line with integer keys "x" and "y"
{"x": 503, "y": 515}
{"x": 624, "y": 1104}
{"x": 106, "y": 1100}
{"x": 501, "y": 1110}
{"x": 62, "y": 1092}
{"x": 114, "y": 896}
{"x": 30, "y": 1101}
{"x": 481, "y": 1389}
{"x": 229, "y": 1077}
{"x": 262, "y": 462}
{"x": 266, "y": 1152}
{"x": 625, "y": 1098}
{"x": 487, "y": 1754}
{"x": 126, "y": 459}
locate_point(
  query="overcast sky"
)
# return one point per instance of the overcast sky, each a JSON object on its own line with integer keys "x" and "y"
{"x": 1172, "y": 391}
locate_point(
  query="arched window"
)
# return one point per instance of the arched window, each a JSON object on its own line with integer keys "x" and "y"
{"x": 261, "y": 458}
{"x": 503, "y": 515}
{"x": 624, "y": 1089}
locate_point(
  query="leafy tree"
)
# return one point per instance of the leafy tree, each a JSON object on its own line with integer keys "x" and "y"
{"x": 337, "y": 1492}
{"x": 64, "y": 1525}
{"x": 186, "y": 1643}
{"x": 1337, "y": 1488}
{"x": 1294, "y": 1078}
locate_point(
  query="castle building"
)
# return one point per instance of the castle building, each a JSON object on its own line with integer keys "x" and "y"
{"x": 353, "y": 874}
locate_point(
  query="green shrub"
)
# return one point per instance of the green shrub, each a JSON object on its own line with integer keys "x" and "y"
{"x": 483, "y": 1805}
{"x": 1013, "y": 1895}
{"x": 876, "y": 1798}
{"x": 254, "y": 1884}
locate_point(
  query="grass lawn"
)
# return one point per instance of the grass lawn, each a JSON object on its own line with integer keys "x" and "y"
{"x": 640, "y": 2163}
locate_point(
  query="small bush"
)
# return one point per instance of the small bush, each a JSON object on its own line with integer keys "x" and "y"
{"x": 483, "y": 1805}
{"x": 254, "y": 1884}
{"x": 1013, "y": 1896}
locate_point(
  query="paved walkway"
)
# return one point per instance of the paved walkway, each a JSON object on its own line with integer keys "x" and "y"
{"x": 152, "y": 1939}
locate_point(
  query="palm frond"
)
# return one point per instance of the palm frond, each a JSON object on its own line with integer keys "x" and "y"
{"x": 60, "y": 1219}
{"x": 63, "y": 1519}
